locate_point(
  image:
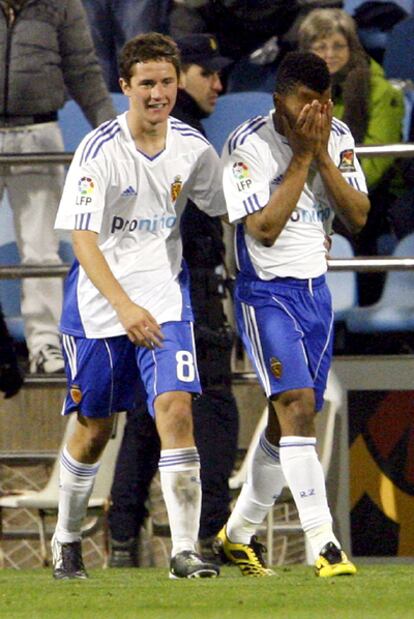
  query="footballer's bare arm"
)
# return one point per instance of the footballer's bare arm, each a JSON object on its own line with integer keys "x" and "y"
{"x": 304, "y": 139}
{"x": 140, "y": 326}
{"x": 351, "y": 206}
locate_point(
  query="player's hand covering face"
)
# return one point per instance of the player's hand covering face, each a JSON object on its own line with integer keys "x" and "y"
{"x": 304, "y": 118}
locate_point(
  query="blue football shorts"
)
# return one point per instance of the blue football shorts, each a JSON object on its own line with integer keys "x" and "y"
{"x": 287, "y": 329}
{"x": 111, "y": 374}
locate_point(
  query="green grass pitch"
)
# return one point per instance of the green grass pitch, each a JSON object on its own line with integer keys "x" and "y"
{"x": 380, "y": 591}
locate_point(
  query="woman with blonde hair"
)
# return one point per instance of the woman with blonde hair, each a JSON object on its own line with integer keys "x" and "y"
{"x": 369, "y": 104}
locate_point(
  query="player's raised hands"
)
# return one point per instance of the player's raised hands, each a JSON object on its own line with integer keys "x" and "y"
{"x": 326, "y": 122}
{"x": 305, "y": 134}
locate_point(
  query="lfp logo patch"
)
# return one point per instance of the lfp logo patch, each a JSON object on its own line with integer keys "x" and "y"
{"x": 242, "y": 175}
{"x": 240, "y": 171}
{"x": 86, "y": 186}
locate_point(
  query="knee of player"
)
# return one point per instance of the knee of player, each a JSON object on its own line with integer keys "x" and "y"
{"x": 95, "y": 447}
{"x": 95, "y": 440}
{"x": 173, "y": 415}
{"x": 296, "y": 409}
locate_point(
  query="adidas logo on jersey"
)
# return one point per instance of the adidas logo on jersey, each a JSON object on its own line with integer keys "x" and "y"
{"x": 129, "y": 191}
{"x": 277, "y": 179}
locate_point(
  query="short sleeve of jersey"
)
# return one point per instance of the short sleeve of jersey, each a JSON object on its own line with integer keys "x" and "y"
{"x": 245, "y": 179}
{"x": 206, "y": 189}
{"x": 344, "y": 156}
{"x": 83, "y": 198}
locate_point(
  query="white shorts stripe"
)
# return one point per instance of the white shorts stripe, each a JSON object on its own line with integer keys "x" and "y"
{"x": 253, "y": 334}
{"x": 325, "y": 347}
{"x": 69, "y": 344}
{"x": 111, "y": 363}
{"x": 297, "y": 327}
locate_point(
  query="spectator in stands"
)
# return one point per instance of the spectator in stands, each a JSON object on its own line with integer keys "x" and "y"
{"x": 372, "y": 108}
{"x": 46, "y": 50}
{"x": 113, "y": 22}
{"x": 256, "y": 35}
{"x": 11, "y": 378}
{"x": 215, "y": 413}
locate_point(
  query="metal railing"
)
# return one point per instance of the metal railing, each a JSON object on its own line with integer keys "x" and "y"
{"x": 404, "y": 150}
{"x": 359, "y": 263}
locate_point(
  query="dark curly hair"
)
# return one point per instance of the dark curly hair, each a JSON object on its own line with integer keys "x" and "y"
{"x": 302, "y": 69}
{"x": 145, "y": 48}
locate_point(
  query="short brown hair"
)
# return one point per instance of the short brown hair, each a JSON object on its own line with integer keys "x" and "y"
{"x": 147, "y": 47}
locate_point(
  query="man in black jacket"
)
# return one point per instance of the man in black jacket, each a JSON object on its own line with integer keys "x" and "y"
{"x": 256, "y": 35}
{"x": 215, "y": 413}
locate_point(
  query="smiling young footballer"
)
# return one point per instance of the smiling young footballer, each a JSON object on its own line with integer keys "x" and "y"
{"x": 285, "y": 177}
{"x": 127, "y": 314}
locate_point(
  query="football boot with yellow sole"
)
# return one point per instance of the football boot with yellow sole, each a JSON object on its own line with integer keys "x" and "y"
{"x": 333, "y": 562}
{"x": 248, "y": 557}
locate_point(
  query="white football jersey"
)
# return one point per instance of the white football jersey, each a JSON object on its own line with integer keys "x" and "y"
{"x": 255, "y": 158}
{"x": 134, "y": 202}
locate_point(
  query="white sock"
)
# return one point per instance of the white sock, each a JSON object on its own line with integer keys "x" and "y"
{"x": 75, "y": 487}
{"x": 181, "y": 488}
{"x": 305, "y": 478}
{"x": 264, "y": 484}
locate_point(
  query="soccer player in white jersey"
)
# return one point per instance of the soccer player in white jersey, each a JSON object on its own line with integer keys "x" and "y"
{"x": 285, "y": 177}
{"x": 127, "y": 313}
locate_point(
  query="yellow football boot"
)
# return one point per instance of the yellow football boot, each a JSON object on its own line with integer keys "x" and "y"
{"x": 333, "y": 562}
{"x": 248, "y": 557}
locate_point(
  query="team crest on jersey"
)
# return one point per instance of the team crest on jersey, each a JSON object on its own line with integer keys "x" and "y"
{"x": 176, "y": 187}
{"x": 347, "y": 161}
{"x": 75, "y": 394}
{"x": 276, "y": 367}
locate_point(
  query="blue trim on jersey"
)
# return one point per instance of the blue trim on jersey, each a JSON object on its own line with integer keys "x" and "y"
{"x": 187, "y": 130}
{"x": 244, "y": 263}
{"x": 141, "y": 152}
{"x": 184, "y": 281}
{"x": 339, "y": 127}
{"x": 353, "y": 181}
{"x": 70, "y": 320}
{"x": 82, "y": 221}
{"x": 104, "y": 133}
{"x": 251, "y": 204}
{"x": 240, "y": 135}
